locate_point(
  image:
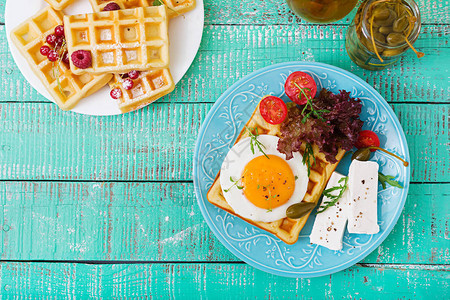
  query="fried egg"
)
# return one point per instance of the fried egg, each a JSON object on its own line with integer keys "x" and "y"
{"x": 261, "y": 187}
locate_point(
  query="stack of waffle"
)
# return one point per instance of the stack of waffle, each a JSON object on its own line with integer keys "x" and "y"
{"x": 286, "y": 229}
{"x": 133, "y": 38}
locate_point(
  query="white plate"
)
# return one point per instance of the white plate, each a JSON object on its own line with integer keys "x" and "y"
{"x": 185, "y": 34}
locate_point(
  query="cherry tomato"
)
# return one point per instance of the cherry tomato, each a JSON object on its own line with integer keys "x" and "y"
{"x": 367, "y": 138}
{"x": 298, "y": 80}
{"x": 273, "y": 109}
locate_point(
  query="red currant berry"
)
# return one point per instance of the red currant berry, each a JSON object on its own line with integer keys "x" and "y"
{"x": 115, "y": 93}
{"x": 128, "y": 84}
{"x": 52, "y": 55}
{"x": 60, "y": 40}
{"x": 51, "y": 39}
{"x": 59, "y": 30}
{"x": 44, "y": 50}
{"x": 133, "y": 74}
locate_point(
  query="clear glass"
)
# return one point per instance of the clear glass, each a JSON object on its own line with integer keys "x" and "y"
{"x": 321, "y": 11}
{"x": 359, "y": 44}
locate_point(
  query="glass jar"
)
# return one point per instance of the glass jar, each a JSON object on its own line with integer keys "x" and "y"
{"x": 321, "y": 11}
{"x": 381, "y": 32}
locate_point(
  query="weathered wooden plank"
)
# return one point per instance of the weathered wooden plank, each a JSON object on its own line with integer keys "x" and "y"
{"x": 162, "y": 222}
{"x": 277, "y": 12}
{"x": 40, "y": 142}
{"x": 216, "y": 281}
{"x": 225, "y": 56}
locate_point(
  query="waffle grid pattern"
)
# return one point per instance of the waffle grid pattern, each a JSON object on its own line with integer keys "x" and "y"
{"x": 174, "y": 7}
{"x": 148, "y": 87}
{"x": 286, "y": 229}
{"x": 29, "y": 36}
{"x": 120, "y": 41}
{"x": 59, "y": 4}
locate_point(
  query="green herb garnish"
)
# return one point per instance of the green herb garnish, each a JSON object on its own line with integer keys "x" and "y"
{"x": 254, "y": 141}
{"x": 389, "y": 179}
{"x": 312, "y": 111}
{"x": 333, "y": 198}
{"x": 235, "y": 184}
{"x": 309, "y": 153}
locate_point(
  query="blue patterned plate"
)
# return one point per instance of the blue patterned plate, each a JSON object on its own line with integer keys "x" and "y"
{"x": 259, "y": 248}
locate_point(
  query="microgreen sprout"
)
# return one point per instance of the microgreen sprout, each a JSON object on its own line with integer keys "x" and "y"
{"x": 235, "y": 184}
{"x": 254, "y": 141}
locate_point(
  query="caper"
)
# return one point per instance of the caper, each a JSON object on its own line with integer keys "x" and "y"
{"x": 400, "y": 24}
{"x": 361, "y": 154}
{"x": 388, "y": 21}
{"x": 380, "y": 13}
{"x": 385, "y": 30}
{"x": 379, "y": 37}
{"x": 298, "y": 210}
{"x": 395, "y": 38}
{"x": 392, "y": 52}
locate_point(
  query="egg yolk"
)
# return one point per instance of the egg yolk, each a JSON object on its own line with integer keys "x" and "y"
{"x": 268, "y": 183}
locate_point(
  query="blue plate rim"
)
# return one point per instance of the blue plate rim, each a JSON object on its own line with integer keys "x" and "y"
{"x": 245, "y": 257}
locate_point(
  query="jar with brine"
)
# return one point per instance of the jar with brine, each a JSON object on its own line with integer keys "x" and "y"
{"x": 381, "y": 31}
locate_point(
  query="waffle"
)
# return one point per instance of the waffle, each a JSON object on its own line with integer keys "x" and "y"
{"x": 286, "y": 229}
{"x": 59, "y": 4}
{"x": 120, "y": 41}
{"x": 174, "y": 7}
{"x": 148, "y": 87}
{"x": 29, "y": 36}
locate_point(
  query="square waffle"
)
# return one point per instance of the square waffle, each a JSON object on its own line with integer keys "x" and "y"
{"x": 174, "y": 7}
{"x": 29, "y": 36}
{"x": 148, "y": 87}
{"x": 120, "y": 41}
{"x": 286, "y": 229}
{"x": 59, "y": 4}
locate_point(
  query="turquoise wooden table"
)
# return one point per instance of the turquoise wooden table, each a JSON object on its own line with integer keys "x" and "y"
{"x": 105, "y": 206}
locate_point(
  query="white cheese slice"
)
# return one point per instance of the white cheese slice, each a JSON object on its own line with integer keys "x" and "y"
{"x": 363, "y": 187}
{"x": 329, "y": 225}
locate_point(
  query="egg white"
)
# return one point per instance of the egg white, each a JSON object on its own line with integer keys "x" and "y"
{"x": 233, "y": 166}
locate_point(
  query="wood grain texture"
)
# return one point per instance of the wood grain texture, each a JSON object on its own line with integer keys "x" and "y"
{"x": 162, "y": 222}
{"x": 218, "y": 281}
{"x": 40, "y": 142}
{"x": 277, "y": 12}
{"x": 225, "y": 57}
